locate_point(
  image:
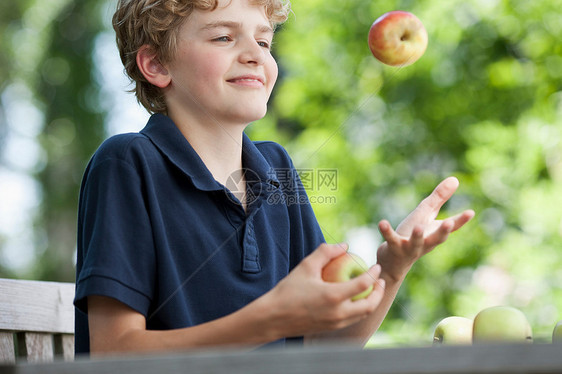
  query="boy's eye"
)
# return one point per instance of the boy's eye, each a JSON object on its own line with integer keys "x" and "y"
{"x": 264, "y": 44}
{"x": 222, "y": 39}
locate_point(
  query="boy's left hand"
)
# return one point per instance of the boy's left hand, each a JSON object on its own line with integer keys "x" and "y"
{"x": 420, "y": 232}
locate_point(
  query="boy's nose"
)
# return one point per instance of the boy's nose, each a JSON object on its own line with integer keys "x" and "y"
{"x": 252, "y": 53}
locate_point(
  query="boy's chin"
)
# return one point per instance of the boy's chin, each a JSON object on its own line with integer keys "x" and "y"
{"x": 254, "y": 115}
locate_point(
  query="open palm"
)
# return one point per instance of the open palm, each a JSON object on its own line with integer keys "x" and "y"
{"x": 420, "y": 231}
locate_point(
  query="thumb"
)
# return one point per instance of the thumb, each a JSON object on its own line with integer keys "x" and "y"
{"x": 442, "y": 193}
{"x": 326, "y": 253}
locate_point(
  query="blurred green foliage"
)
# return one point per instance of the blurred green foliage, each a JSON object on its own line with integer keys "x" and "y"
{"x": 73, "y": 128}
{"x": 484, "y": 104}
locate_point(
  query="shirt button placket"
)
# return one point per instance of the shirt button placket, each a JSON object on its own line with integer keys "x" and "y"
{"x": 250, "y": 249}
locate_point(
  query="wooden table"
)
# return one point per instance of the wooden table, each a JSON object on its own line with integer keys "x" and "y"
{"x": 535, "y": 358}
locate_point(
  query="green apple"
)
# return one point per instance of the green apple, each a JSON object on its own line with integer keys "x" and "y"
{"x": 397, "y": 38}
{"x": 344, "y": 268}
{"x": 501, "y": 324}
{"x": 453, "y": 330}
{"x": 557, "y": 333}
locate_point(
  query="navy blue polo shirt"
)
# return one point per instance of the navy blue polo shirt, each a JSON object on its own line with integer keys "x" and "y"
{"x": 157, "y": 232}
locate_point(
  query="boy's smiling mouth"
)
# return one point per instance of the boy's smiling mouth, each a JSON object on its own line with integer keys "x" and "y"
{"x": 248, "y": 80}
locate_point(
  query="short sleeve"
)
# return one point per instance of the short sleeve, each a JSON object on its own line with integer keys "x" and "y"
{"x": 115, "y": 246}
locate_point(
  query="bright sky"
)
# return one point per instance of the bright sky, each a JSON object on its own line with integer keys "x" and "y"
{"x": 19, "y": 193}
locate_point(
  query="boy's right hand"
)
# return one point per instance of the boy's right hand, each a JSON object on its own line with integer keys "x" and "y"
{"x": 303, "y": 303}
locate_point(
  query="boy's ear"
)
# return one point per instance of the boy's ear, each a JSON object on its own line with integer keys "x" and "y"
{"x": 150, "y": 66}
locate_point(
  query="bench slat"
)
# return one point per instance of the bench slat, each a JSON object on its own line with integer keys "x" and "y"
{"x": 7, "y": 347}
{"x": 64, "y": 346}
{"x": 36, "y": 306}
{"x": 36, "y": 347}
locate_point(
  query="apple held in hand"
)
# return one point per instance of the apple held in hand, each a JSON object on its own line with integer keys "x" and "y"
{"x": 557, "y": 333}
{"x": 501, "y": 324}
{"x": 398, "y": 38}
{"x": 453, "y": 330}
{"x": 344, "y": 268}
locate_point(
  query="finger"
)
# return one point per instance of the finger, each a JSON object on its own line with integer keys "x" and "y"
{"x": 441, "y": 234}
{"x": 364, "y": 281}
{"x": 416, "y": 239}
{"x": 363, "y": 307}
{"x": 354, "y": 316}
{"x": 378, "y": 292}
{"x": 388, "y": 233}
{"x": 462, "y": 218}
{"x": 441, "y": 194}
{"x": 374, "y": 272}
{"x": 326, "y": 253}
{"x": 379, "y": 288}
{"x": 359, "y": 284}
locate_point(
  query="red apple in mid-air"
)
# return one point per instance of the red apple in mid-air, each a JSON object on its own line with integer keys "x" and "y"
{"x": 344, "y": 268}
{"x": 398, "y": 38}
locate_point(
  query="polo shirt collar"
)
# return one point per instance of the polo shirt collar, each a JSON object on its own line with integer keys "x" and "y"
{"x": 257, "y": 166}
{"x": 163, "y": 132}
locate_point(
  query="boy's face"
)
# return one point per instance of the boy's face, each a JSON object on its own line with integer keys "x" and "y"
{"x": 223, "y": 69}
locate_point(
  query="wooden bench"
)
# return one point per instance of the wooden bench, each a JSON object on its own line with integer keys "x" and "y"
{"x": 36, "y": 321}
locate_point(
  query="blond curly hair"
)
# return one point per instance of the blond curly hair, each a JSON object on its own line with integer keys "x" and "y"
{"x": 156, "y": 23}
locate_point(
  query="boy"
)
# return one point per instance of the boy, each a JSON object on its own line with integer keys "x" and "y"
{"x": 168, "y": 257}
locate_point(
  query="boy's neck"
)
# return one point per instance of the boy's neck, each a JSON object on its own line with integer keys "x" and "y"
{"x": 219, "y": 146}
